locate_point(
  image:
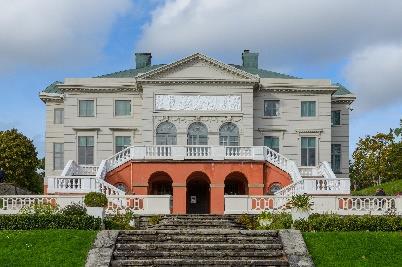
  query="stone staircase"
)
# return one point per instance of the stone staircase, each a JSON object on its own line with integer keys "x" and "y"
{"x": 194, "y": 240}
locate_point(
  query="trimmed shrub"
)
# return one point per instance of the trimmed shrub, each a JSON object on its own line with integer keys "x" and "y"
{"x": 329, "y": 223}
{"x": 119, "y": 221}
{"x": 39, "y": 209}
{"x": 74, "y": 209}
{"x": 52, "y": 221}
{"x": 95, "y": 199}
{"x": 276, "y": 221}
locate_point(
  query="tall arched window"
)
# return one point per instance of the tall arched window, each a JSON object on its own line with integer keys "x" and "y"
{"x": 229, "y": 134}
{"x": 166, "y": 134}
{"x": 197, "y": 134}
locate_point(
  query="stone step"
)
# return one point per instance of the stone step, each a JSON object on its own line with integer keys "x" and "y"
{"x": 197, "y": 238}
{"x": 226, "y": 232}
{"x": 196, "y": 262}
{"x": 173, "y": 227}
{"x": 228, "y": 254}
{"x": 196, "y": 246}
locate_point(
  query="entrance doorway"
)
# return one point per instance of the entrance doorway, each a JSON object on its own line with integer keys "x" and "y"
{"x": 198, "y": 194}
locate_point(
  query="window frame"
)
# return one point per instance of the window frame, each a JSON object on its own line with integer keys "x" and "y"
{"x": 315, "y": 111}
{"x": 115, "y": 106}
{"x": 79, "y": 104}
{"x": 172, "y": 136}
{"x": 332, "y": 119}
{"x": 198, "y": 135}
{"x": 227, "y": 138}
{"x": 315, "y": 151}
{"x": 273, "y": 136}
{"x": 54, "y": 156}
{"x": 55, "y": 117}
{"x": 93, "y": 152}
{"x": 124, "y": 147}
{"x": 279, "y": 108}
{"x": 333, "y": 157}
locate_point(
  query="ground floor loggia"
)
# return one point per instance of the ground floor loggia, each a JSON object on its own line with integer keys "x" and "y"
{"x": 198, "y": 186}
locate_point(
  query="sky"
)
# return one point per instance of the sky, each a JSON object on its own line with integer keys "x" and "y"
{"x": 357, "y": 43}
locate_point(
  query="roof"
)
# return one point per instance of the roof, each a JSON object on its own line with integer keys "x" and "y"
{"x": 131, "y": 73}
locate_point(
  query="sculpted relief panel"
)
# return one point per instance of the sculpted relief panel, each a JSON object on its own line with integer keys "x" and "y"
{"x": 198, "y": 102}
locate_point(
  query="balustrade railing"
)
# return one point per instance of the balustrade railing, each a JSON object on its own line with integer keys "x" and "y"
{"x": 198, "y": 152}
{"x": 137, "y": 204}
{"x": 158, "y": 152}
{"x": 326, "y": 171}
{"x": 241, "y": 152}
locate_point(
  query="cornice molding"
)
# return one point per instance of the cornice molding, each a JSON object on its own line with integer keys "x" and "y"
{"x": 299, "y": 89}
{"x": 51, "y": 97}
{"x": 98, "y": 88}
{"x": 343, "y": 99}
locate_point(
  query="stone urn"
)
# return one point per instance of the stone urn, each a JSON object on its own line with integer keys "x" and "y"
{"x": 97, "y": 212}
{"x": 298, "y": 214}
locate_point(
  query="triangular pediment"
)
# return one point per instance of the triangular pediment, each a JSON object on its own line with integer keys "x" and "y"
{"x": 198, "y": 67}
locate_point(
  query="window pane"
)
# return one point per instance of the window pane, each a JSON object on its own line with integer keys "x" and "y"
{"x": 336, "y": 158}
{"x": 58, "y": 156}
{"x": 86, "y": 108}
{"x": 308, "y": 108}
{"x": 271, "y": 108}
{"x": 197, "y": 134}
{"x": 336, "y": 117}
{"x": 58, "y": 116}
{"x": 229, "y": 134}
{"x": 122, "y": 142}
{"x": 85, "y": 150}
{"x": 122, "y": 107}
{"x": 166, "y": 134}
{"x": 308, "y": 151}
{"x": 272, "y": 142}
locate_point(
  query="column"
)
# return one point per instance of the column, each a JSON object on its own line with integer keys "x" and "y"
{"x": 179, "y": 198}
{"x": 217, "y": 201}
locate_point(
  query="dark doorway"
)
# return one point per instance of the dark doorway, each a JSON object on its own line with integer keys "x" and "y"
{"x": 198, "y": 195}
{"x": 160, "y": 183}
{"x": 236, "y": 184}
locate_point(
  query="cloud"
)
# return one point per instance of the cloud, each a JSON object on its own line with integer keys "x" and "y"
{"x": 375, "y": 74}
{"x": 287, "y": 33}
{"x": 55, "y": 32}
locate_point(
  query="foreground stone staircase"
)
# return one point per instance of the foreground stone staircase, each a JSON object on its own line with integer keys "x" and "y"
{"x": 194, "y": 240}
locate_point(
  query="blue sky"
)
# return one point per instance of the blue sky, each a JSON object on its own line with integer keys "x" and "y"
{"x": 357, "y": 44}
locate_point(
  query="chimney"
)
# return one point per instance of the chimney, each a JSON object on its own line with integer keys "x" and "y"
{"x": 142, "y": 60}
{"x": 250, "y": 60}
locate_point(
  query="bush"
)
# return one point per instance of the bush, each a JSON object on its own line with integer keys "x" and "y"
{"x": 155, "y": 219}
{"x": 120, "y": 221}
{"x": 276, "y": 221}
{"x": 95, "y": 199}
{"x": 329, "y": 223}
{"x": 74, "y": 209}
{"x": 50, "y": 221}
{"x": 39, "y": 209}
{"x": 248, "y": 221}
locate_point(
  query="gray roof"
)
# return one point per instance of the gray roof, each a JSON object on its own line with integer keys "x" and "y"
{"x": 131, "y": 73}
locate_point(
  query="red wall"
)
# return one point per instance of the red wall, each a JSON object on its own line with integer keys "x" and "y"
{"x": 260, "y": 176}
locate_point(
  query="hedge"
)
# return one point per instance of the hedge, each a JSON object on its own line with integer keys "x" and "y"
{"x": 52, "y": 221}
{"x": 330, "y": 223}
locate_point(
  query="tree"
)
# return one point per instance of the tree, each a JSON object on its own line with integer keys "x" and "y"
{"x": 376, "y": 159}
{"x": 18, "y": 159}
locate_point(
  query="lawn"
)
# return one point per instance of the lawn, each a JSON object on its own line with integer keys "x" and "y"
{"x": 390, "y": 188}
{"x": 45, "y": 247}
{"x": 355, "y": 248}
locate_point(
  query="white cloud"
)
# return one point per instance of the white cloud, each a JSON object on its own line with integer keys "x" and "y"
{"x": 55, "y": 32}
{"x": 375, "y": 74}
{"x": 287, "y": 33}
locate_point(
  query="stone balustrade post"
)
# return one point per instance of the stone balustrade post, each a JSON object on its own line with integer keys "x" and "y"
{"x": 179, "y": 152}
{"x": 258, "y": 153}
{"x": 218, "y": 152}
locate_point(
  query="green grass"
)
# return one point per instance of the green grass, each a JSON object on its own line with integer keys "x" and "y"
{"x": 390, "y": 188}
{"x": 355, "y": 248}
{"x": 45, "y": 247}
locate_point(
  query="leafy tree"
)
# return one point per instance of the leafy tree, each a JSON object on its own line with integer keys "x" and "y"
{"x": 18, "y": 159}
{"x": 377, "y": 159}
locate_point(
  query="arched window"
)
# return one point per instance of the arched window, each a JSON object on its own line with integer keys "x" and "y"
{"x": 197, "y": 134}
{"x": 275, "y": 187}
{"x": 121, "y": 186}
{"x": 166, "y": 134}
{"x": 229, "y": 135}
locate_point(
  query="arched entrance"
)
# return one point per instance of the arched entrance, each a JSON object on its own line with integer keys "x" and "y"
{"x": 160, "y": 183}
{"x": 236, "y": 184}
{"x": 198, "y": 193}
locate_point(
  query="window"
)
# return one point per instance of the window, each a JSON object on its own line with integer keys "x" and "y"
{"x": 335, "y": 117}
{"x": 336, "y": 158}
{"x": 272, "y": 142}
{"x": 58, "y": 115}
{"x": 58, "y": 156}
{"x": 275, "y": 187}
{"x": 121, "y": 186}
{"x": 85, "y": 150}
{"x": 197, "y": 134}
{"x": 308, "y": 108}
{"x": 122, "y": 108}
{"x": 86, "y": 108}
{"x": 122, "y": 142}
{"x": 166, "y": 134}
{"x": 229, "y": 135}
{"x": 271, "y": 108}
{"x": 308, "y": 151}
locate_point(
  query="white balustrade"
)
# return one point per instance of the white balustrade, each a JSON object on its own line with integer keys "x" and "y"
{"x": 326, "y": 171}
{"x": 137, "y": 204}
{"x": 158, "y": 152}
{"x": 370, "y": 204}
{"x": 308, "y": 171}
{"x": 198, "y": 152}
{"x": 239, "y": 152}
{"x": 87, "y": 170}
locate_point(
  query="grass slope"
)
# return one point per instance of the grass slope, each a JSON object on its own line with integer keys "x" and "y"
{"x": 45, "y": 247}
{"x": 355, "y": 248}
{"x": 390, "y": 188}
